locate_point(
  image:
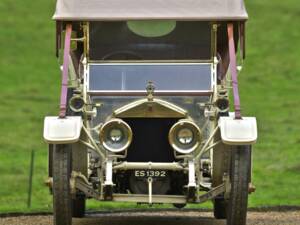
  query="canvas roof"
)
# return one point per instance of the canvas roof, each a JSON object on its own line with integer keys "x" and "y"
{"x": 113, "y": 10}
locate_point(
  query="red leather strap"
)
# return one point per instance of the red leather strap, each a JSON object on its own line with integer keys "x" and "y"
{"x": 233, "y": 70}
{"x": 64, "y": 84}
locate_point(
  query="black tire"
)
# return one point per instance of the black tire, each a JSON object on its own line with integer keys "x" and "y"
{"x": 50, "y": 160}
{"x": 62, "y": 208}
{"x": 239, "y": 178}
{"x": 220, "y": 205}
{"x": 179, "y": 206}
{"x": 78, "y": 206}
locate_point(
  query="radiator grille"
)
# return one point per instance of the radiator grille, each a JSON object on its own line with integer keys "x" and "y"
{"x": 150, "y": 140}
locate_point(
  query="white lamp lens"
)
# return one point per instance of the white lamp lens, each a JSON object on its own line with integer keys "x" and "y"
{"x": 185, "y": 136}
{"x": 116, "y": 135}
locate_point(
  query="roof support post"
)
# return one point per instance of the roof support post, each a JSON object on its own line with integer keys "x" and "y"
{"x": 233, "y": 70}
{"x": 242, "y": 32}
{"x": 59, "y": 26}
{"x": 64, "y": 84}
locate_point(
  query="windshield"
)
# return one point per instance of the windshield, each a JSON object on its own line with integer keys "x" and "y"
{"x": 135, "y": 77}
{"x": 150, "y": 40}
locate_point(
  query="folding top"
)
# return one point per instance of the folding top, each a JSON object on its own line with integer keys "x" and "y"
{"x": 113, "y": 10}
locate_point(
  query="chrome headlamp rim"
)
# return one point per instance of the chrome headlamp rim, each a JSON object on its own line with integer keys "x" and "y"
{"x": 106, "y": 129}
{"x": 74, "y": 101}
{"x": 176, "y": 144}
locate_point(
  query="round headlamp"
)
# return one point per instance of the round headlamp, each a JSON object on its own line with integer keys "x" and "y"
{"x": 185, "y": 136}
{"x": 115, "y": 135}
{"x": 76, "y": 103}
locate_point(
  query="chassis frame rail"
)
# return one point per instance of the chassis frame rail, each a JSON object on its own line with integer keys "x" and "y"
{"x": 78, "y": 182}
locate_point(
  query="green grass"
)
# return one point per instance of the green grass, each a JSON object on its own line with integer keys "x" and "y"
{"x": 269, "y": 89}
{"x": 269, "y": 86}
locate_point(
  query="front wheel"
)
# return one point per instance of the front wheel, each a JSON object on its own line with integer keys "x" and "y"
{"x": 220, "y": 205}
{"x": 239, "y": 179}
{"x": 78, "y": 206}
{"x": 62, "y": 200}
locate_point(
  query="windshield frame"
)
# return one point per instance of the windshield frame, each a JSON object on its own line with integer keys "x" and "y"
{"x": 211, "y": 44}
{"x": 157, "y": 92}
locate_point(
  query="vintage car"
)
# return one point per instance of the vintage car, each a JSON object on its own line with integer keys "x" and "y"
{"x": 145, "y": 109}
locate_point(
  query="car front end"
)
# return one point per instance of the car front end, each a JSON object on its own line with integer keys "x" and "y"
{"x": 144, "y": 114}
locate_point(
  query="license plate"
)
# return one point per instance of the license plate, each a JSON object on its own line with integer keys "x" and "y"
{"x": 150, "y": 173}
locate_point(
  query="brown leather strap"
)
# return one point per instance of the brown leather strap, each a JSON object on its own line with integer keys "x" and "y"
{"x": 233, "y": 70}
{"x": 64, "y": 84}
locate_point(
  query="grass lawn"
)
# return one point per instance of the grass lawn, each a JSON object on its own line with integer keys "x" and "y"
{"x": 30, "y": 78}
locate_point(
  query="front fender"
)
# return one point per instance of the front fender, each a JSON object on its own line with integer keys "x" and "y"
{"x": 238, "y": 131}
{"x": 62, "y": 130}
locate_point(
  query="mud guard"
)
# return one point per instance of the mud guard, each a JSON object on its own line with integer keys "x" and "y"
{"x": 238, "y": 131}
{"x": 62, "y": 130}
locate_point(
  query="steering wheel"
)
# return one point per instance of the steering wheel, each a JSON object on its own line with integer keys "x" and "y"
{"x": 122, "y": 55}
